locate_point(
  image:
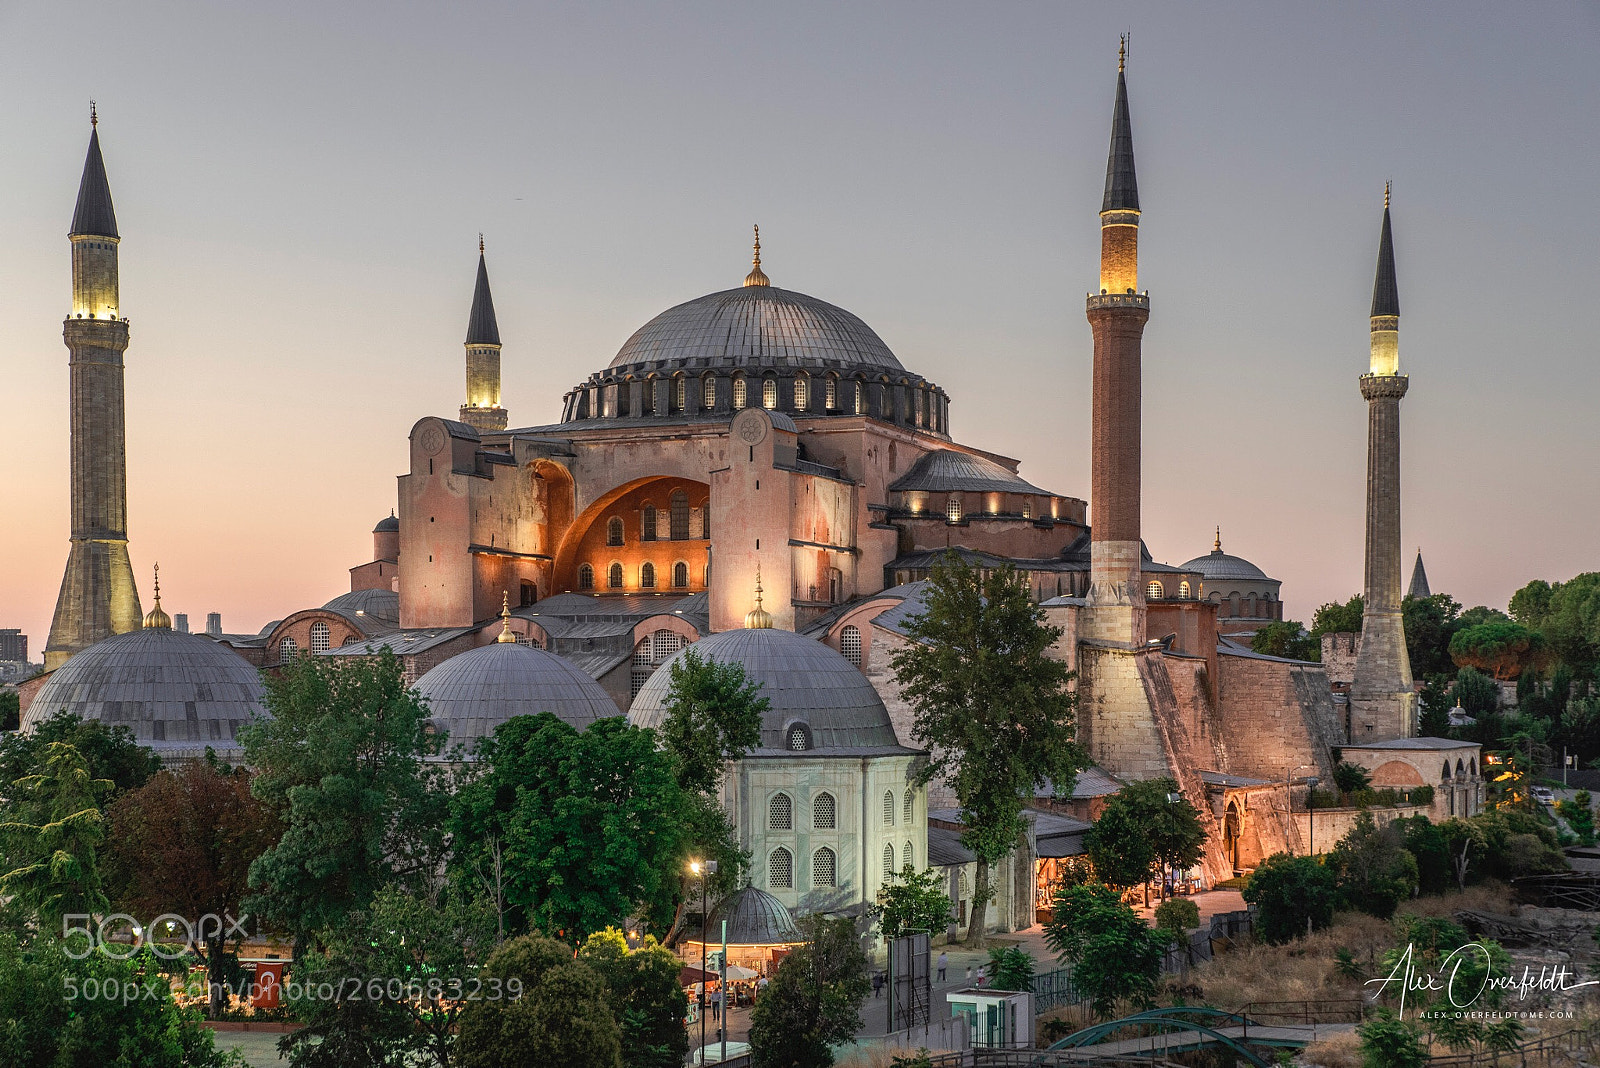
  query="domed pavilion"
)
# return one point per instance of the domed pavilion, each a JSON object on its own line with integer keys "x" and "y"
{"x": 1247, "y": 599}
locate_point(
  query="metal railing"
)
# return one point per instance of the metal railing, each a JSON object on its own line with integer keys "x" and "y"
{"x": 1566, "y": 1045}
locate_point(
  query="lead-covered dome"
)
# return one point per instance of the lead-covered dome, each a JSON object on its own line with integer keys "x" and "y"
{"x": 471, "y": 694}
{"x": 758, "y": 324}
{"x": 175, "y": 691}
{"x": 1219, "y": 565}
{"x": 755, "y": 918}
{"x": 818, "y": 700}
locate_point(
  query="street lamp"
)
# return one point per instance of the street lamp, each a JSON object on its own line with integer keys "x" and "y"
{"x": 703, "y": 868}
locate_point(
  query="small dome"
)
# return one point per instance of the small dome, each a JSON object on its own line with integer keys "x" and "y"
{"x": 174, "y": 690}
{"x": 755, "y": 918}
{"x": 949, "y": 470}
{"x": 471, "y": 694}
{"x": 387, "y": 524}
{"x": 806, "y": 683}
{"x": 380, "y": 605}
{"x": 758, "y": 324}
{"x": 1219, "y": 565}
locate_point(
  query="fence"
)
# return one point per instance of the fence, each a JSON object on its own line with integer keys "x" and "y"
{"x": 1569, "y": 890}
{"x": 1566, "y": 1046}
{"x": 1052, "y": 990}
{"x": 1203, "y": 944}
{"x": 1041, "y": 1058}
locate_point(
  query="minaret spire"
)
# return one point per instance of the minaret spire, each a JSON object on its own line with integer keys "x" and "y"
{"x": 482, "y": 409}
{"x": 98, "y": 597}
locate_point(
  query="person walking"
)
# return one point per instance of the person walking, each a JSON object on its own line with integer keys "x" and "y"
{"x": 877, "y": 984}
{"x": 944, "y": 960}
{"x": 716, "y": 1004}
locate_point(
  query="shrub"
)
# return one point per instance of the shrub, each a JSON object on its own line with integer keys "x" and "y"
{"x": 1373, "y": 868}
{"x": 1010, "y": 968}
{"x": 1178, "y": 914}
{"x": 1389, "y": 1042}
{"x": 1293, "y": 895}
{"x": 1350, "y": 777}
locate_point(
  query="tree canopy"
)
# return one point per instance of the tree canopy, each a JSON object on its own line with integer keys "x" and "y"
{"x": 1287, "y": 638}
{"x": 561, "y": 1017}
{"x": 645, "y": 997}
{"x": 110, "y": 752}
{"x": 991, "y": 705}
{"x": 713, "y": 716}
{"x": 50, "y": 840}
{"x": 1501, "y": 648}
{"x": 814, "y": 1001}
{"x": 1114, "y": 955}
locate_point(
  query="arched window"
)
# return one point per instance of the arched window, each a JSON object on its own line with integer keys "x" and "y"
{"x": 667, "y": 642}
{"x": 850, "y": 644}
{"x": 888, "y": 808}
{"x": 780, "y": 869}
{"x": 1183, "y": 589}
{"x": 824, "y": 812}
{"x": 905, "y": 857}
{"x": 769, "y": 393}
{"x": 739, "y": 397}
{"x": 585, "y": 577}
{"x": 705, "y": 520}
{"x": 888, "y": 860}
{"x": 614, "y": 530}
{"x": 824, "y": 868}
{"x": 680, "y": 393}
{"x": 614, "y": 577}
{"x": 798, "y": 737}
{"x": 861, "y": 398}
{"x": 1445, "y": 774}
{"x": 708, "y": 392}
{"x": 680, "y": 576}
{"x": 680, "y": 516}
{"x": 830, "y": 393}
{"x": 802, "y": 392}
{"x": 1472, "y": 767}
{"x": 647, "y": 531}
{"x": 911, "y": 799}
{"x": 287, "y": 650}
{"x": 647, "y": 576}
{"x": 321, "y": 639}
{"x": 647, "y": 403}
{"x": 1153, "y": 591}
{"x": 952, "y": 508}
{"x": 1458, "y": 769}
{"x": 780, "y": 813}
{"x": 1027, "y": 507}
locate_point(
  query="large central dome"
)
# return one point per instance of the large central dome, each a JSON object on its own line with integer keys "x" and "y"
{"x": 762, "y": 324}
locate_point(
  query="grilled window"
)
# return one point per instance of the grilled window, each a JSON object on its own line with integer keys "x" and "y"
{"x": 911, "y": 798}
{"x": 888, "y": 808}
{"x": 680, "y": 393}
{"x": 769, "y": 393}
{"x": 850, "y": 644}
{"x": 952, "y": 508}
{"x": 680, "y": 575}
{"x": 888, "y": 860}
{"x": 780, "y": 813}
{"x": 708, "y": 392}
{"x": 680, "y": 516}
{"x": 738, "y": 391}
{"x": 287, "y": 649}
{"x": 780, "y": 869}
{"x": 1154, "y": 591}
{"x": 648, "y": 533}
{"x": 824, "y": 868}
{"x": 321, "y": 640}
{"x": 614, "y": 577}
{"x": 824, "y": 812}
{"x": 585, "y": 577}
{"x": 905, "y": 856}
{"x": 614, "y": 530}
{"x": 830, "y": 393}
{"x": 802, "y": 392}
{"x": 647, "y": 576}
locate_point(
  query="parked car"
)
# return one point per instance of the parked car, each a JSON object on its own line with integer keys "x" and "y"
{"x": 1544, "y": 795}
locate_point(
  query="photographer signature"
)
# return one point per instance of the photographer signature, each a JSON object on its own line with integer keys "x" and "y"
{"x": 1465, "y": 988}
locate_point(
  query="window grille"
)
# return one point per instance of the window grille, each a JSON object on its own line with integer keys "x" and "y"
{"x": 680, "y": 575}
{"x": 1153, "y": 591}
{"x": 647, "y": 576}
{"x": 905, "y": 857}
{"x": 642, "y": 656}
{"x": 850, "y": 644}
{"x": 888, "y": 860}
{"x": 680, "y": 393}
{"x": 780, "y": 813}
{"x": 888, "y": 808}
{"x": 824, "y": 814}
{"x": 287, "y": 649}
{"x": 738, "y": 391}
{"x": 614, "y": 530}
{"x": 614, "y": 577}
{"x": 708, "y": 396}
{"x": 860, "y": 391}
{"x": 680, "y": 516}
{"x": 1183, "y": 589}
{"x": 802, "y": 392}
{"x": 952, "y": 508}
{"x": 649, "y": 531}
{"x": 824, "y": 868}
{"x": 830, "y": 393}
{"x": 769, "y": 393}
{"x": 799, "y": 738}
{"x": 585, "y": 577}
{"x": 705, "y": 521}
{"x": 780, "y": 869}
{"x": 911, "y": 798}
{"x": 321, "y": 640}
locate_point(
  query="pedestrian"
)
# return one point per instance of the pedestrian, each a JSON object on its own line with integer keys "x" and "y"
{"x": 969, "y": 973}
{"x": 716, "y": 1004}
{"x": 877, "y": 984}
{"x": 944, "y": 959}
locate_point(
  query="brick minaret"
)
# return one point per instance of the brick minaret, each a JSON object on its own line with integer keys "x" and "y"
{"x": 98, "y": 597}
{"x": 1382, "y": 701}
{"x": 482, "y": 409}
{"x": 1117, "y": 313}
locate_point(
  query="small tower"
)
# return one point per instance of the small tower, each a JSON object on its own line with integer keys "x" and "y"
{"x": 1382, "y": 701}
{"x": 1419, "y": 580}
{"x": 482, "y": 409}
{"x": 98, "y": 596}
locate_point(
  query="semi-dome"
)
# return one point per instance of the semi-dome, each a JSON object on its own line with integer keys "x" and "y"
{"x": 761, "y": 325}
{"x": 817, "y": 699}
{"x": 173, "y": 690}
{"x": 380, "y": 605}
{"x": 471, "y": 694}
{"x": 755, "y": 918}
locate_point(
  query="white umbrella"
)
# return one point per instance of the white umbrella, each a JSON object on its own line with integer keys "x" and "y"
{"x": 736, "y": 972}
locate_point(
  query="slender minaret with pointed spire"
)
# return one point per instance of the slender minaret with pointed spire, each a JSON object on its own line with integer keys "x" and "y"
{"x": 1117, "y": 314}
{"x": 1382, "y": 700}
{"x": 482, "y": 409}
{"x": 98, "y": 595}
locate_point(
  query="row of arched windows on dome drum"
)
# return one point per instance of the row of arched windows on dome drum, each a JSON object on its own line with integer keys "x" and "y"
{"x": 321, "y": 642}
{"x": 1155, "y": 591}
{"x": 825, "y": 810}
{"x": 647, "y": 576}
{"x": 908, "y": 403}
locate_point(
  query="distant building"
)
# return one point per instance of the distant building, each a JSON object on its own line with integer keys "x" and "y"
{"x": 214, "y": 624}
{"x": 180, "y": 622}
{"x": 13, "y": 645}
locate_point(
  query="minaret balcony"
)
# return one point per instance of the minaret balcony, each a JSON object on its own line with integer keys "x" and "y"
{"x": 1097, "y": 301}
{"x": 1375, "y": 386}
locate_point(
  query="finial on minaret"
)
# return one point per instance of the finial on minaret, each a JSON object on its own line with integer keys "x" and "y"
{"x": 1122, "y": 55}
{"x": 758, "y": 618}
{"x": 1217, "y": 545}
{"x": 94, "y": 115}
{"x": 156, "y": 619}
{"x": 505, "y": 619}
{"x": 757, "y": 277}
{"x": 480, "y": 242}
{"x": 1386, "y": 195}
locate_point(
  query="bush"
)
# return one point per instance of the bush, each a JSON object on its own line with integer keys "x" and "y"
{"x": 1178, "y": 914}
{"x": 1475, "y": 692}
{"x": 1350, "y": 778}
{"x": 1389, "y": 1042}
{"x": 1293, "y": 895}
{"x": 1010, "y": 968}
{"x": 1115, "y": 956}
{"x": 1373, "y": 868}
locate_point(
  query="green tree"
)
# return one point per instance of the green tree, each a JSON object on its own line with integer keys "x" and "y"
{"x": 1121, "y": 853}
{"x": 183, "y": 843}
{"x": 1348, "y": 777}
{"x": 1336, "y": 618}
{"x": 1426, "y": 841}
{"x": 990, "y": 704}
{"x": 1434, "y": 702}
{"x": 109, "y": 751}
{"x": 1579, "y": 814}
{"x": 343, "y": 761}
{"x": 913, "y": 901}
{"x": 553, "y": 1010}
{"x": 813, "y": 1003}
{"x": 415, "y": 963}
{"x": 1429, "y": 624}
{"x": 591, "y": 821}
{"x": 1389, "y": 1042}
{"x": 1475, "y": 692}
{"x": 1293, "y": 895}
{"x": 644, "y": 995}
{"x": 1010, "y": 968}
{"x": 1177, "y": 914}
{"x": 1286, "y": 638}
{"x": 1372, "y": 867}
{"x": 713, "y": 717}
{"x": 51, "y": 840}
{"x": 1501, "y": 649}
{"x": 10, "y": 710}
{"x": 1530, "y": 605}
{"x": 48, "y": 1018}
{"x": 1114, "y": 955}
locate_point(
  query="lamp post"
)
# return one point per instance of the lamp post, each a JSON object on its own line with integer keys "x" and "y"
{"x": 1311, "y": 810}
{"x": 1288, "y": 797}
{"x": 703, "y": 868}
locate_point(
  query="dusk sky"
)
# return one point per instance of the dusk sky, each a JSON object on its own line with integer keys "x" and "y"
{"x": 300, "y": 188}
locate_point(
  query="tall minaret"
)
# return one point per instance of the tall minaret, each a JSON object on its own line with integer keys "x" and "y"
{"x": 1117, "y": 314}
{"x": 98, "y": 597}
{"x": 1382, "y": 701}
{"x": 482, "y": 409}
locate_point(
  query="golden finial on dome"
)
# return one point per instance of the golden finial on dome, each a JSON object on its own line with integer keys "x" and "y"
{"x": 505, "y": 619}
{"x": 758, "y": 618}
{"x": 156, "y": 619}
{"x": 757, "y": 277}
{"x": 1217, "y": 545}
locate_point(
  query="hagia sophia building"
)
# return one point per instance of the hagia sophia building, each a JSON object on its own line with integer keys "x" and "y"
{"x": 757, "y": 475}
